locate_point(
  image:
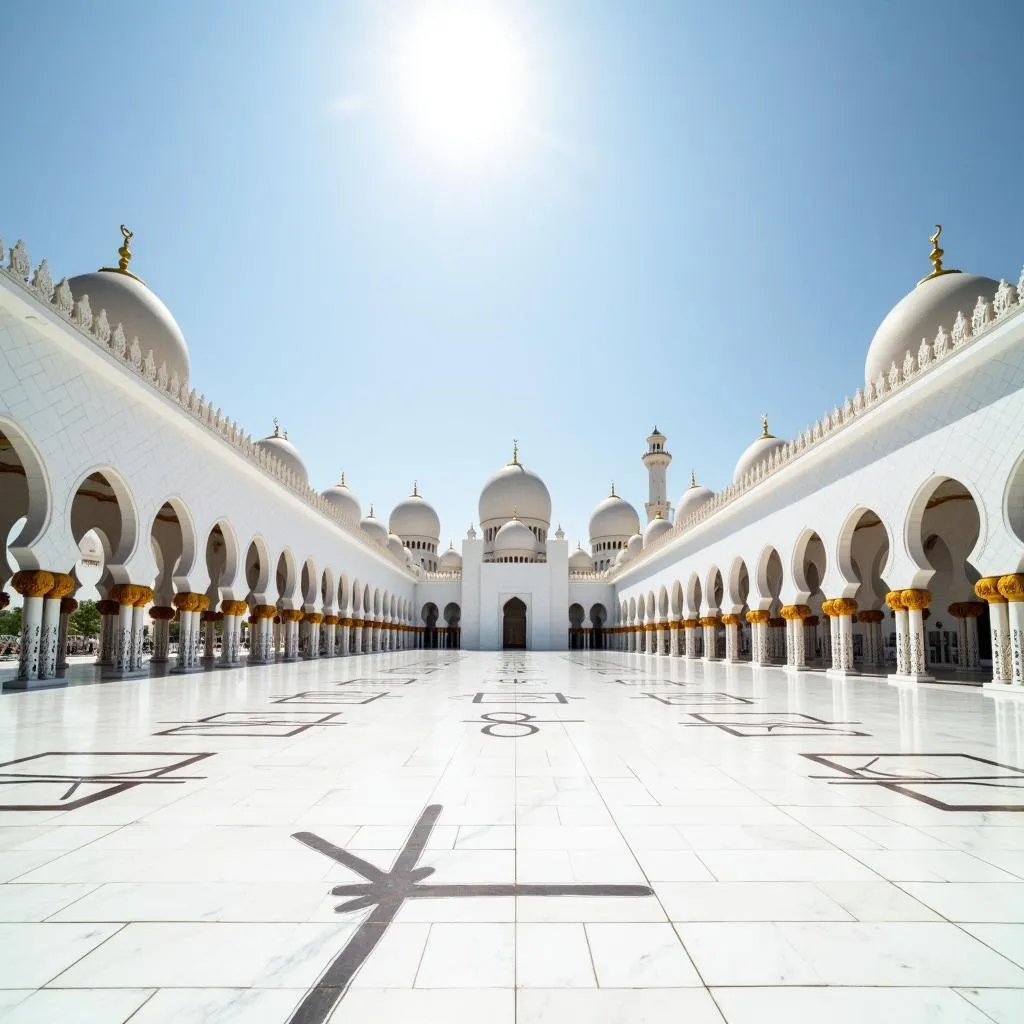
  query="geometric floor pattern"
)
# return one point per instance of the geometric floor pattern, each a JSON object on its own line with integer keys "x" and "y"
{"x": 511, "y": 838}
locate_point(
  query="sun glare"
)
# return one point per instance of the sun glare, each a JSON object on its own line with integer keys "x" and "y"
{"x": 464, "y": 81}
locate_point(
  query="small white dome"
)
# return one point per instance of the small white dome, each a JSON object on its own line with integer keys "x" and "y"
{"x": 515, "y": 536}
{"x": 397, "y": 547}
{"x": 374, "y": 528}
{"x": 614, "y": 518}
{"x": 343, "y": 498}
{"x": 656, "y": 528}
{"x": 633, "y": 547}
{"x": 409, "y": 559}
{"x": 581, "y": 561}
{"x": 415, "y": 517}
{"x": 622, "y": 557}
{"x": 515, "y": 488}
{"x": 450, "y": 559}
{"x": 692, "y": 498}
{"x": 278, "y": 445}
{"x": 756, "y": 452}
{"x": 141, "y": 313}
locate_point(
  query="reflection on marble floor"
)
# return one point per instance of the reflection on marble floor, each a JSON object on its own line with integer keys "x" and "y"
{"x": 702, "y": 843}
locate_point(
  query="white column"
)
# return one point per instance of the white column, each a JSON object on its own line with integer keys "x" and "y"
{"x": 124, "y": 595}
{"x": 345, "y": 632}
{"x": 1011, "y": 589}
{"x": 139, "y": 628}
{"x": 67, "y": 606}
{"x": 32, "y": 585}
{"x": 48, "y": 636}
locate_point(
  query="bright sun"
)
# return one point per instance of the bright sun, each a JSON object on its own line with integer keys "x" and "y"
{"x": 464, "y": 80}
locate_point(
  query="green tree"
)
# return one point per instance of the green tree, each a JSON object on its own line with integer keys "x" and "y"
{"x": 85, "y": 620}
{"x": 10, "y": 622}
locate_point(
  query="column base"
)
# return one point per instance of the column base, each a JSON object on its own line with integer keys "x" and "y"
{"x": 991, "y": 688}
{"x": 898, "y": 680}
{"x": 710, "y": 660}
{"x": 124, "y": 673}
{"x": 841, "y": 673}
{"x": 20, "y": 685}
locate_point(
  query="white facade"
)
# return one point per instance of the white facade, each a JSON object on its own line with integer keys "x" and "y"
{"x": 899, "y": 509}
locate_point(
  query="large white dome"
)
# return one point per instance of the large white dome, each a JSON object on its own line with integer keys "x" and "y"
{"x": 278, "y": 445}
{"x": 415, "y": 517}
{"x": 934, "y": 303}
{"x": 692, "y": 498}
{"x": 344, "y": 499}
{"x": 514, "y": 488}
{"x": 140, "y": 312}
{"x": 614, "y": 517}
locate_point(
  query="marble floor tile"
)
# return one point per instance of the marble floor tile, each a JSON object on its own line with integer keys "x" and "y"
{"x": 617, "y": 1006}
{"x": 639, "y": 956}
{"x": 83, "y": 1006}
{"x": 217, "y": 1006}
{"x": 552, "y": 956}
{"x": 1002, "y": 1005}
{"x": 846, "y": 1006}
{"x": 932, "y": 866}
{"x": 748, "y": 901}
{"x": 785, "y": 866}
{"x": 468, "y": 956}
{"x": 34, "y": 954}
{"x": 972, "y": 901}
{"x": 27, "y": 901}
{"x": 858, "y": 954}
{"x": 424, "y": 1006}
{"x": 1007, "y": 939}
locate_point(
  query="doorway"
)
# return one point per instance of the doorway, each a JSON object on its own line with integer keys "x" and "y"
{"x": 513, "y": 634}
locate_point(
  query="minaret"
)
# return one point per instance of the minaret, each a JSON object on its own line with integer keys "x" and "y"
{"x": 656, "y": 459}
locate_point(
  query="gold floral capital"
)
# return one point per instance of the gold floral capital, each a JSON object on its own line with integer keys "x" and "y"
{"x": 125, "y": 593}
{"x": 966, "y": 609}
{"x": 234, "y": 607}
{"x": 33, "y": 582}
{"x": 161, "y": 613}
{"x": 894, "y": 599}
{"x": 730, "y": 620}
{"x": 843, "y": 606}
{"x": 264, "y": 611}
{"x": 826, "y": 608}
{"x": 795, "y": 611}
{"x": 63, "y": 585}
{"x": 292, "y": 615}
{"x": 709, "y": 621}
{"x": 987, "y": 588}
{"x": 68, "y": 605}
{"x": 756, "y": 616}
{"x": 916, "y": 600}
{"x": 144, "y": 597}
{"x": 107, "y": 607}
{"x": 1012, "y": 586}
{"x": 314, "y": 618}
{"x": 871, "y": 615}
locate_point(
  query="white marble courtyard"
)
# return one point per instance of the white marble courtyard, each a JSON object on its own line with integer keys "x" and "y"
{"x": 169, "y": 846}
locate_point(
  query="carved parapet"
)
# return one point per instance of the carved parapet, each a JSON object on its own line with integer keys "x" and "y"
{"x": 161, "y": 613}
{"x": 1012, "y": 587}
{"x": 915, "y": 599}
{"x": 32, "y": 582}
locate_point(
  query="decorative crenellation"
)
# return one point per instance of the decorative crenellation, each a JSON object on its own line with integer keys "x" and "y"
{"x": 96, "y": 328}
{"x": 966, "y": 329}
{"x": 440, "y": 575}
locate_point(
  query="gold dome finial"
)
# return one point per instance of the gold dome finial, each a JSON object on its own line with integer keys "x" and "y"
{"x": 342, "y": 483}
{"x": 658, "y": 515}
{"x": 693, "y": 478}
{"x": 370, "y": 516}
{"x": 613, "y": 494}
{"x": 515, "y": 453}
{"x": 277, "y": 428}
{"x": 415, "y": 492}
{"x": 124, "y": 256}
{"x": 764, "y": 425}
{"x": 936, "y": 257}
{"x": 515, "y": 512}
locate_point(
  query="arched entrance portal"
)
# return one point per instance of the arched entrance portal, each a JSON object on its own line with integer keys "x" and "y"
{"x": 513, "y": 634}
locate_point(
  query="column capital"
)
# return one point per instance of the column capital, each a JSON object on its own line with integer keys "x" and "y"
{"x": 795, "y": 611}
{"x": 894, "y": 599}
{"x": 966, "y": 609}
{"x": 161, "y": 613}
{"x": 916, "y": 600}
{"x": 32, "y": 582}
{"x": 777, "y": 622}
{"x": 264, "y": 611}
{"x": 709, "y": 621}
{"x": 843, "y": 606}
{"x": 188, "y": 602}
{"x": 331, "y": 620}
{"x": 63, "y": 586}
{"x": 107, "y": 607}
{"x": 68, "y": 605}
{"x": 1012, "y": 586}
{"x": 145, "y": 596}
{"x": 871, "y": 615}
{"x": 234, "y": 607}
{"x": 730, "y": 620}
{"x": 987, "y": 588}
{"x": 758, "y": 615}
{"x": 125, "y": 593}
{"x": 691, "y": 623}
{"x": 313, "y": 618}
{"x": 292, "y": 615}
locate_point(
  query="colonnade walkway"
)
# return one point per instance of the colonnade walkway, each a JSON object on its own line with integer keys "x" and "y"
{"x": 511, "y": 837}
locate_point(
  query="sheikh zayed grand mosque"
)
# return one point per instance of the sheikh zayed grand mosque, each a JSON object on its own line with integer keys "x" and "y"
{"x": 887, "y": 538}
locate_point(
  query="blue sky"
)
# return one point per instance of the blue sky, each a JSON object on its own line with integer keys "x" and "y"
{"x": 710, "y": 211}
